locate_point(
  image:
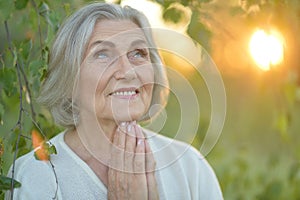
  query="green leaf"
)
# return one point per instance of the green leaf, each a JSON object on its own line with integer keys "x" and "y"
{"x": 20, "y": 4}
{"x": 6, "y": 9}
{"x": 25, "y": 49}
{"x": 1, "y": 111}
{"x": 43, "y": 8}
{"x": 8, "y": 81}
{"x": 1, "y": 149}
{"x": 15, "y": 56}
{"x": 165, "y": 3}
{"x": 34, "y": 67}
{"x": 294, "y": 170}
{"x": 21, "y": 145}
{"x": 5, "y": 183}
{"x": 44, "y": 73}
{"x": 272, "y": 190}
{"x": 45, "y": 54}
{"x": 52, "y": 149}
{"x": 173, "y": 15}
{"x": 282, "y": 125}
{"x": 199, "y": 32}
{"x": 67, "y": 8}
{"x": 44, "y": 11}
{"x": 54, "y": 21}
{"x": 184, "y": 2}
{"x": 205, "y": 1}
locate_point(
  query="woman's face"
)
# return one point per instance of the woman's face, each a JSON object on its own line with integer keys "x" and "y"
{"x": 116, "y": 75}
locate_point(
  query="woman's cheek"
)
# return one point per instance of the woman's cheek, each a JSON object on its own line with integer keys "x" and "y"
{"x": 146, "y": 74}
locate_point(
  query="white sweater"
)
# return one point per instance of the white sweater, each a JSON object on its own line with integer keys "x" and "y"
{"x": 182, "y": 174}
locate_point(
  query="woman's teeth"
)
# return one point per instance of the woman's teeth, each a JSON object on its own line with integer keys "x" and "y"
{"x": 125, "y": 93}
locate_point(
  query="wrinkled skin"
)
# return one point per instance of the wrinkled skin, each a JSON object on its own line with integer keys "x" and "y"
{"x": 131, "y": 152}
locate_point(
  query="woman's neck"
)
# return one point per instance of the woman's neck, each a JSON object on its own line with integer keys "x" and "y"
{"x": 94, "y": 135}
{"x": 74, "y": 142}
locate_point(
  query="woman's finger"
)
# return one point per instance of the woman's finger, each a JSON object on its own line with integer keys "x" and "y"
{"x": 139, "y": 158}
{"x": 124, "y": 185}
{"x": 150, "y": 173}
{"x": 121, "y": 135}
{"x": 117, "y": 148}
{"x": 150, "y": 161}
{"x": 129, "y": 148}
{"x": 117, "y": 181}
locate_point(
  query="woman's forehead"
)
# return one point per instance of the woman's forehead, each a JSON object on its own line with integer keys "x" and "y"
{"x": 116, "y": 31}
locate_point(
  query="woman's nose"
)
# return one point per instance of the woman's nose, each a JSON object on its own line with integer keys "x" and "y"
{"x": 125, "y": 70}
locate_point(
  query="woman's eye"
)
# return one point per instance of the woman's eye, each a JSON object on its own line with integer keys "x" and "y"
{"x": 102, "y": 55}
{"x": 138, "y": 53}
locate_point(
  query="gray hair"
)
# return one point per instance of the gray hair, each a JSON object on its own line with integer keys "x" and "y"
{"x": 67, "y": 54}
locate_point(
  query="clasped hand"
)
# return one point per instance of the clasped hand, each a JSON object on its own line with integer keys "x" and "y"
{"x": 132, "y": 165}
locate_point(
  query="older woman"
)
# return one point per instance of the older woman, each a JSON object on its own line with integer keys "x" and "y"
{"x": 104, "y": 76}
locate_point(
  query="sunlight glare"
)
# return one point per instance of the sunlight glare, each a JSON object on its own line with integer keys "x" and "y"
{"x": 149, "y": 8}
{"x": 266, "y": 49}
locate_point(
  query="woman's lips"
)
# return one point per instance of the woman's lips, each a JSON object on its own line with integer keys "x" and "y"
{"x": 125, "y": 93}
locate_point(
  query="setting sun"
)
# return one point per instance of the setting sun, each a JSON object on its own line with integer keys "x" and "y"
{"x": 266, "y": 49}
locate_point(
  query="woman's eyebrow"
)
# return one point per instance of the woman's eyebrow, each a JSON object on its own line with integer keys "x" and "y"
{"x": 138, "y": 42}
{"x": 112, "y": 45}
{"x": 102, "y": 42}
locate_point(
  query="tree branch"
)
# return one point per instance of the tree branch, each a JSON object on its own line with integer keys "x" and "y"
{"x": 39, "y": 22}
{"x": 19, "y": 122}
{"x": 29, "y": 93}
{"x": 56, "y": 180}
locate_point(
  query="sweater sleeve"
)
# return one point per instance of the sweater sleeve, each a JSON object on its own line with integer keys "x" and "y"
{"x": 37, "y": 180}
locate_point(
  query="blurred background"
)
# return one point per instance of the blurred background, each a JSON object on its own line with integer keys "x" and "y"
{"x": 254, "y": 45}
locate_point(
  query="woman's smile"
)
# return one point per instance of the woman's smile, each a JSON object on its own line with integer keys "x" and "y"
{"x": 126, "y": 93}
{"x": 116, "y": 77}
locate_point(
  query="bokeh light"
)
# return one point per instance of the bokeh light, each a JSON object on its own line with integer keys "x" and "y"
{"x": 267, "y": 49}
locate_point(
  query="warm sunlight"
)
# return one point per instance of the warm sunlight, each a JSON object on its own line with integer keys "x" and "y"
{"x": 266, "y": 49}
{"x": 149, "y": 8}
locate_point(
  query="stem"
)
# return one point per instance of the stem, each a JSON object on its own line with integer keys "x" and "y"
{"x": 56, "y": 180}
{"x": 26, "y": 137}
{"x": 18, "y": 124}
{"x": 36, "y": 124}
{"x": 39, "y": 22}
{"x": 29, "y": 92}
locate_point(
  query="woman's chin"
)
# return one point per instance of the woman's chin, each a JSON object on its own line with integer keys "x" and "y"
{"x": 128, "y": 118}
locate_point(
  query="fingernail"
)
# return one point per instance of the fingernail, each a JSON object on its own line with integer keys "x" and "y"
{"x": 122, "y": 127}
{"x": 123, "y": 124}
{"x": 140, "y": 142}
{"x": 129, "y": 127}
{"x": 139, "y": 126}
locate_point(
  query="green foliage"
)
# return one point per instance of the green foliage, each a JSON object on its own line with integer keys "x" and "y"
{"x": 257, "y": 156}
{"x": 5, "y": 183}
{"x": 199, "y": 32}
{"x": 167, "y": 3}
{"x": 196, "y": 28}
{"x": 173, "y": 15}
{"x": 20, "y": 4}
{"x": 29, "y": 28}
{"x": 7, "y": 8}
